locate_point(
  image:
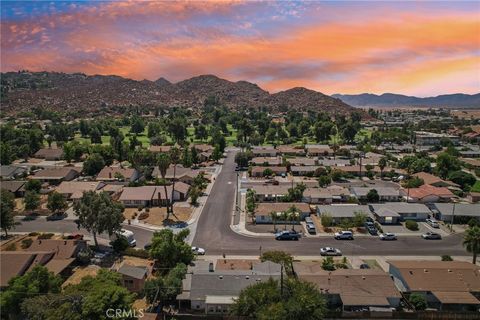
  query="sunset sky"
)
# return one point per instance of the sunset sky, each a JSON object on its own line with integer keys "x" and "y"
{"x": 418, "y": 48}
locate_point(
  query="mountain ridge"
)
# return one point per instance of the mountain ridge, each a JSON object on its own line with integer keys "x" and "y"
{"x": 399, "y": 100}
{"x": 77, "y": 91}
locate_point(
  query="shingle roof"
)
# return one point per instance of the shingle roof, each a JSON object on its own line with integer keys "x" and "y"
{"x": 403, "y": 207}
{"x": 461, "y": 209}
{"x": 54, "y": 173}
{"x": 110, "y": 172}
{"x": 137, "y": 272}
{"x": 12, "y": 186}
{"x": 266, "y": 208}
{"x": 343, "y": 211}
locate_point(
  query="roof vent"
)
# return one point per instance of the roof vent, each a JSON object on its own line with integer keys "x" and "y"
{"x": 449, "y": 270}
{"x": 364, "y": 278}
{"x": 247, "y": 277}
{"x": 425, "y": 270}
{"x": 220, "y": 277}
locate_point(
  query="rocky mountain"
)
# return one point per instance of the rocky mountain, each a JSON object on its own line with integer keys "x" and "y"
{"x": 398, "y": 100}
{"x": 79, "y": 92}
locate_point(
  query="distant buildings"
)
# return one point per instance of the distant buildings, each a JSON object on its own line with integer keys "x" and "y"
{"x": 424, "y": 138}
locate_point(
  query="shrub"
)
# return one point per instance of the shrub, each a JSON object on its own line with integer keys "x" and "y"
{"x": 33, "y": 234}
{"x": 84, "y": 256}
{"x": 342, "y": 264}
{"x": 45, "y": 236}
{"x": 327, "y": 220}
{"x": 418, "y": 301}
{"x": 26, "y": 243}
{"x": 411, "y": 225}
{"x": 446, "y": 257}
{"x": 139, "y": 253}
{"x": 472, "y": 222}
{"x": 119, "y": 244}
{"x": 143, "y": 216}
{"x": 328, "y": 264}
{"x": 11, "y": 247}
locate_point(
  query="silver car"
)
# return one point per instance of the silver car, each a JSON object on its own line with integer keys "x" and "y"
{"x": 388, "y": 236}
{"x": 328, "y": 251}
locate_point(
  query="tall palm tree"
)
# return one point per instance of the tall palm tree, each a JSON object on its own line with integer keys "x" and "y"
{"x": 175, "y": 159}
{"x": 471, "y": 242}
{"x": 273, "y": 215}
{"x": 293, "y": 215}
{"x": 163, "y": 163}
{"x": 284, "y": 217}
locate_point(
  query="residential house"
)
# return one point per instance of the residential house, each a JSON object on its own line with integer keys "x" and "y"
{"x": 49, "y": 154}
{"x": 11, "y": 172}
{"x": 147, "y": 196}
{"x": 470, "y": 154}
{"x": 15, "y": 187}
{"x": 266, "y": 161}
{"x": 56, "y": 175}
{"x": 212, "y": 290}
{"x": 287, "y": 150}
{"x": 264, "y": 210}
{"x": 385, "y": 193}
{"x": 334, "y": 163}
{"x": 318, "y": 150}
{"x": 134, "y": 277}
{"x": 424, "y": 138}
{"x": 118, "y": 174}
{"x": 317, "y": 196}
{"x": 434, "y": 180}
{"x": 343, "y": 211}
{"x": 73, "y": 190}
{"x": 304, "y": 170}
{"x": 427, "y": 194}
{"x": 264, "y": 151}
{"x": 446, "y": 285}
{"x": 257, "y": 171}
{"x": 460, "y": 212}
{"x": 56, "y": 255}
{"x": 394, "y": 212}
{"x": 473, "y": 197}
{"x": 181, "y": 173}
{"x": 270, "y": 192}
{"x": 302, "y": 161}
{"x": 351, "y": 289}
{"x": 160, "y": 149}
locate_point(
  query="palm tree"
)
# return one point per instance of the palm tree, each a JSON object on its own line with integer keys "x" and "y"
{"x": 274, "y": 217}
{"x": 382, "y": 163}
{"x": 293, "y": 215}
{"x": 284, "y": 217}
{"x": 174, "y": 158}
{"x": 163, "y": 163}
{"x": 471, "y": 242}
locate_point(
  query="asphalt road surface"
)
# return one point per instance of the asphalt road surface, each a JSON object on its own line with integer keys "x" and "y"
{"x": 214, "y": 234}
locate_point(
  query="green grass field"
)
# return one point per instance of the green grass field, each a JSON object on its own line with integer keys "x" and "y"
{"x": 476, "y": 187}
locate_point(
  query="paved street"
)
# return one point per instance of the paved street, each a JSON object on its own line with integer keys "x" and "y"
{"x": 213, "y": 231}
{"x": 215, "y": 235}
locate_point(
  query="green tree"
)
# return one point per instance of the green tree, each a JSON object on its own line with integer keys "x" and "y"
{"x": 137, "y": 125}
{"x": 175, "y": 158}
{"x": 242, "y": 158}
{"x": 56, "y": 202}
{"x": 251, "y": 203}
{"x": 201, "y": 132}
{"x": 95, "y": 135}
{"x": 98, "y": 213}
{"x": 33, "y": 185}
{"x": 382, "y": 163}
{"x": 264, "y": 300}
{"x": 166, "y": 287}
{"x": 32, "y": 200}
{"x": 170, "y": 249}
{"x": 418, "y": 301}
{"x": 471, "y": 242}
{"x": 328, "y": 264}
{"x": 280, "y": 257}
{"x": 187, "y": 158}
{"x": 324, "y": 181}
{"x": 6, "y": 153}
{"x": 93, "y": 164}
{"x": 372, "y": 196}
{"x": 464, "y": 179}
{"x": 327, "y": 220}
{"x": 37, "y": 281}
{"x": 359, "y": 219}
{"x": 217, "y": 153}
{"x": 267, "y": 172}
{"x": 445, "y": 164}
{"x": 7, "y": 205}
{"x": 413, "y": 182}
{"x": 194, "y": 195}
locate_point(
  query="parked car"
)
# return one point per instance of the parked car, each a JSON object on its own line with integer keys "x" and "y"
{"x": 433, "y": 223}
{"x": 199, "y": 251}
{"x": 56, "y": 216}
{"x": 388, "y": 236}
{"x": 372, "y": 230}
{"x": 147, "y": 246}
{"x": 311, "y": 228}
{"x": 344, "y": 235}
{"x": 127, "y": 234}
{"x": 431, "y": 236}
{"x": 329, "y": 251}
{"x": 287, "y": 235}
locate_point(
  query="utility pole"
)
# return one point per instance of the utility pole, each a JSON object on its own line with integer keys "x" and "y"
{"x": 453, "y": 215}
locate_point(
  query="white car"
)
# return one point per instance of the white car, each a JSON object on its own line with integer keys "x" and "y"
{"x": 344, "y": 235}
{"x": 388, "y": 236}
{"x": 328, "y": 251}
{"x": 199, "y": 251}
{"x": 433, "y": 223}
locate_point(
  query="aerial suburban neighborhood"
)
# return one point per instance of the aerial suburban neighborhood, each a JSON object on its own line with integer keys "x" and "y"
{"x": 128, "y": 196}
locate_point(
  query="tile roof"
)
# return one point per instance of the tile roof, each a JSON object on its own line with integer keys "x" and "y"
{"x": 108, "y": 173}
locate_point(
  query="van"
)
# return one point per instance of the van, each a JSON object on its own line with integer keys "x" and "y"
{"x": 127, "y": 234}
{"x": 311, "y": 228}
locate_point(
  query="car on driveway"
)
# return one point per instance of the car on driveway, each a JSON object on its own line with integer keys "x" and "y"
{"x": 431, "y": 236}
{"x": 199, "y": 251}
{"x": 432, "y": 223}
{"x": 329, "y": 251}
{"x": 287, "y": 235}
{"x": 388, "y": 236}
{"x": 344, "y": 235}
